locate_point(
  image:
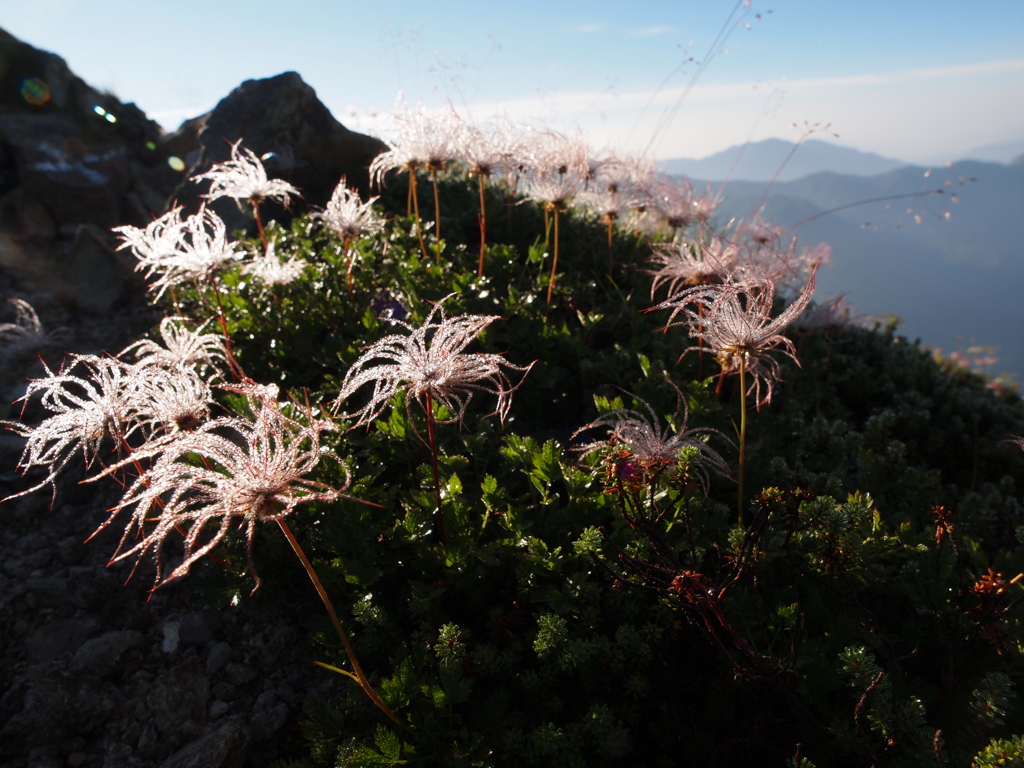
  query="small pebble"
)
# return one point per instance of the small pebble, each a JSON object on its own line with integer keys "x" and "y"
{"x": 170, "y": 643}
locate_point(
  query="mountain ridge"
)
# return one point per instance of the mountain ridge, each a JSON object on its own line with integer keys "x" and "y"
{"x": 940, "y": 248}
{"x": 781, "y": 159}
{"x": 784, "y": 160}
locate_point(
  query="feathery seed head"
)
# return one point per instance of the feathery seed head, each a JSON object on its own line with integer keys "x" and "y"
{"x": 26, "y": 337}
{"x": 486, "y": 152}
{"x": 178, "y": 251}
{"x": 243, "y": 177}
{"x": 641, "y": 450}
{"x": 182, "y": 347}
{"x": 269, "y": 268}
{"x": 733, "y": 319}
{"x": 249, "y": 470}
{"x": 158, "y": 242}
{"x": 691, "y": 262}
{"x": 86, "y": 408}
{"x": 424, "y": 141}
{"x": 348, "y": 217}
{"x": 429, "y": 363}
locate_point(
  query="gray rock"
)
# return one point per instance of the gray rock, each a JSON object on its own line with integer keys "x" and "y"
{"x": 217, "y": 659}
{"x": 172, "y": 637}
{"x": 218, "y": 709}
{"x": 26, "y": 219}
{"x": 57, "y": 706}
{"x": 178, "y": 695}
{"x": 196, "y": 628}
{"x": 267, "y": 722}
{"x": 53, "y": 640}
{"x": 222, "y": 748}
{"x": 47, "y": 592}
{"x": 94, "y": 275}
{"x": 100, "y": 656}
{"x": 39, "y": 558}
{"x": 239, "y": 674}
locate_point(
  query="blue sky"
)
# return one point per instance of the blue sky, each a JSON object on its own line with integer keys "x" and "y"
{"x": 921, "y": 81}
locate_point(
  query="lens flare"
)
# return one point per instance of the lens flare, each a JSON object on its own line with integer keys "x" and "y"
{"x": 34, "y": 91}
{"x": 110, "y": 118}
{"x": 176, "y": 163}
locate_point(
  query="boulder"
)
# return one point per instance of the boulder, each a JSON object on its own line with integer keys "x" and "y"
{"x": 283, "y": 116}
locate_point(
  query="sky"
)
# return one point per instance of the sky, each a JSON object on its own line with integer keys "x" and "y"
{"x": 923, "y": 82}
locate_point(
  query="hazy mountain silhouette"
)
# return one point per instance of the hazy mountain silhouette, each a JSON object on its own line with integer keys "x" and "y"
{"x": 954, "y": 281}
{"x": 759, "y": 161}
{"x": 1004, "y": 152}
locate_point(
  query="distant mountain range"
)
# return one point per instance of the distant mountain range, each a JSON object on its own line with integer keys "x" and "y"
{"x": 1005, "y": 152}
{"x": 942, "y": 249}
{"x": 760, "y": 161}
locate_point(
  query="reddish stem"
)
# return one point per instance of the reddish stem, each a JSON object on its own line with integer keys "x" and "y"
{"x": 236, "y": 370}
{"x": 482, "y": 218}
{"x": 356, "y": 668}
{"x": 259, "y": 224}
{"x": 554, "y": 262}
{"x": 431, "y": 432}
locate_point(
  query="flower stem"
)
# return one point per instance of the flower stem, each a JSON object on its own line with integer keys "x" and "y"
{"x": 357, "y": 670}
{"x": 609, "y": 223}
{"x": 259, "y": 224}
{"x": 743, "y": 433}
{"x": 348, "y": 266}
{"x": 432, "y": 433}
{"x": 416, "y": 210}
{"x": 483, "y": 226}
{"x": 437, "y": 217}
{"x": 554, "y": 261}
{"x": 236, "y": 369}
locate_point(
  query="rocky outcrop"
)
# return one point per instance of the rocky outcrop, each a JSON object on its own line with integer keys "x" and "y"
{"x": 280, "y": 116}
{"x": 72, "y": 157}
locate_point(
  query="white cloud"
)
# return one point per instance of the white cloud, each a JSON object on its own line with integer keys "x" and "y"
{"x": 910, "y": 75}
{"x": 908, "y": 114}
{"x": 700, "y": 93}
{"x": 650, "y": 31}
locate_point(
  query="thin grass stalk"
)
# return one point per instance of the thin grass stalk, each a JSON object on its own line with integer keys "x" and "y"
{"x": 483, "y": 225}
{"x": 743, "y": 433}
{"x": 416, "y": 210}
{"x": 554, "y": 261}
{"x": 437, "y": 216}
{"x": 357, "y": 670}
{"x": 432, "y": 433}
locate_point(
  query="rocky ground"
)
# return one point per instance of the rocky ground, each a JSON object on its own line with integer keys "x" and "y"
{"x": 97, "y": 670}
